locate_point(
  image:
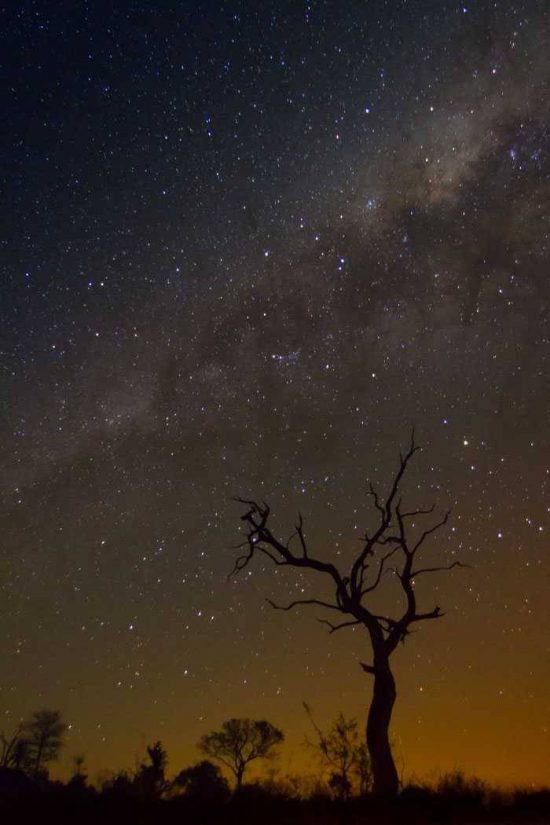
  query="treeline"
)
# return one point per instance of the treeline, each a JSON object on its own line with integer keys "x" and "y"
{"x": 35, "y": 743}
{"x": 342, "y": 792}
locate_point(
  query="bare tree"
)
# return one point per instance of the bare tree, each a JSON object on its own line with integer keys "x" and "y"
{"x": 239, "y": 742}
{"x": 395, "y": 540}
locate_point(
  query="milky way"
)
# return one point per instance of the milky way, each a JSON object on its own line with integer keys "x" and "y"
{"x": 245, "y": 248}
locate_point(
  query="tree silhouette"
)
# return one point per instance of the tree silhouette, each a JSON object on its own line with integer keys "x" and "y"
{"x": 202, "y": 782}
{"x": 395, "y": 537}
{"x": 12, "y": 748}
{"x": 79, "y": 779}
{"x": 239, "y": 742}
{"x": 43, "y": 735}
{"x": 344, "y": 754}
{"x": 78, "y": 764}
{"x": 150, "y": 780}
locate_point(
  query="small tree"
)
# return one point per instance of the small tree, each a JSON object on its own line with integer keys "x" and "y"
{"x": 362, "y": 768}
{"x": 393, "y": 546}
{"x": 344, "y": 754}
{"x": 78, "y": 765}
{"x": 12, "y": 748}
{"x": 78, "y": 781}
{"x": 203, "y": 782}
{"x": 43, "y": 734}
{"x": 150, "y": 779}
{"x": 239, "y": 742}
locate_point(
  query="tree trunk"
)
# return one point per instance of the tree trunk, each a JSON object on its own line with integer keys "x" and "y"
{"x": 37, "y": 761}
{"x": 239, "y": 773}
{"x": 384, "y": 772}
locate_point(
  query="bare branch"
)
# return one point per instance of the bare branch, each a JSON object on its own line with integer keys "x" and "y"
{"x": 335, "y": 627}
{"x": 416, "y": 573}
{"x": 299, "y": 602}
{"x": 404, "y": 460}
{"x": 244, "y": 543}
{"x": 386, "y": 514}
{"x": 300, "y": 533}
{"x": 381, "y": 565}
{"x": 260, "y": 537}
{"x": 271, "y": 556}
{"x": 419, "y": 512}
{"x": 250, "y": 502}
{"x": 389, "y": 540}
{"x": 241, "y": 562}
{"x": 376, "y": 499}
{"x": 390, "y": 623}
{"x": 430, "y": 531}
{"x": 436, "y": 613}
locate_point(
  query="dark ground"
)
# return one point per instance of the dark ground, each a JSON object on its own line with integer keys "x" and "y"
{"x": 416, "y": 806}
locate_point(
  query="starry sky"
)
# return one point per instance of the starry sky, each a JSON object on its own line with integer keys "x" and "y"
{"x": 245, "y": 247}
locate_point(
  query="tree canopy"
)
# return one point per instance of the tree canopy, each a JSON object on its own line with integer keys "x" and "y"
{"x": 240, "y": 742}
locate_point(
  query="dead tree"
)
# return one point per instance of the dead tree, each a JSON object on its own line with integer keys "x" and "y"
{"x": 392, "y": 547}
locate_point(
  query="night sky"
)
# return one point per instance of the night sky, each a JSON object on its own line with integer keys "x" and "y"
{"x": 246, "y": 246}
